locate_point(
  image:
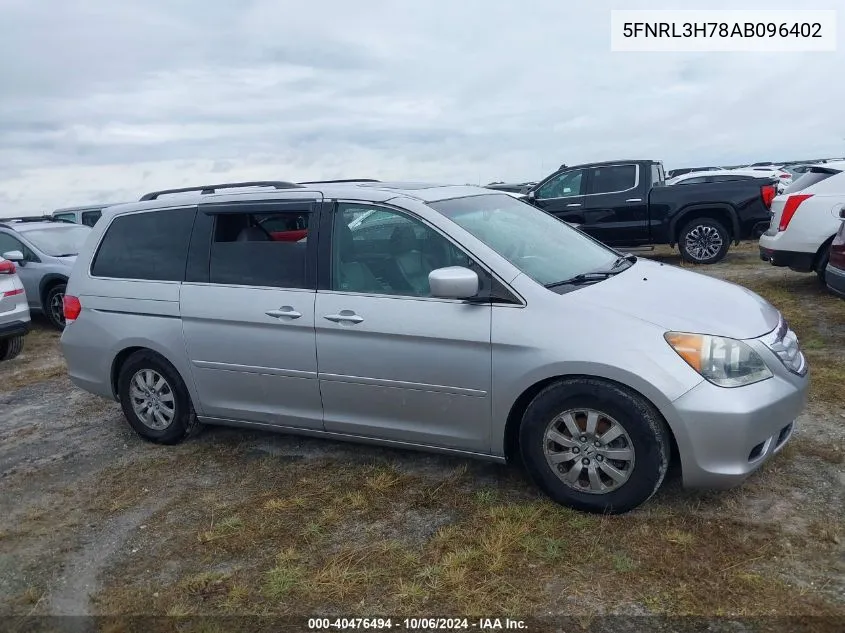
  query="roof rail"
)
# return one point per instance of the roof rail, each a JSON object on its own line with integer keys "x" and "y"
{"x": 328, "y": 182}
{"x": 206, "y": 189}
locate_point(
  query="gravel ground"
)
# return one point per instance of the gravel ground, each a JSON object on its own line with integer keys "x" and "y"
{"x": 84, "y": 501}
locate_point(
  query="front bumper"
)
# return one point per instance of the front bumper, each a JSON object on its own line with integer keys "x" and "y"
{"x": 835, "y": 279}
{"x": 800, "y": 262}
{"x": 724, "y": 435}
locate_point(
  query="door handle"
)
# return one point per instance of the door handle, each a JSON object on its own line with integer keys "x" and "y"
{"x": 345, "y": 316}
{"x": 284, "y": 312}
{"x": 574, "y": 204}
{"x": 634, "y": 200}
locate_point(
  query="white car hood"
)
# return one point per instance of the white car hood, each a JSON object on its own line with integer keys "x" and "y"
{"x": 684, "y": 301}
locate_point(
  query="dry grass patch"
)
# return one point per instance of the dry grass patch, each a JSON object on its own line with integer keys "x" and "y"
{"x": 334, "y": 537}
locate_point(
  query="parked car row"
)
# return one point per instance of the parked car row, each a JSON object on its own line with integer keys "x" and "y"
{"x": 43, "y": 251}
{"x": 805, "y": 233}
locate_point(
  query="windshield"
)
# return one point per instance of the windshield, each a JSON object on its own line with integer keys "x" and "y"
{"x": 541, "y": 246}
{"x": 59, "y": 241}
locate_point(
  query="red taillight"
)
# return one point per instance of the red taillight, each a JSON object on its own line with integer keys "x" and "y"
{"x": 12, "y": 293}
{"x": 72, "y": 307}
{"x": 7, "y": 267}
{"x": 784, "y": 176}
{"x": 789, "y": 209}
{"x": 768, "y": 192}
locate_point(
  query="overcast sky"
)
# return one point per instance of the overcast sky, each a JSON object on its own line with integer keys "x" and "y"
{"x": 102, "y": 100}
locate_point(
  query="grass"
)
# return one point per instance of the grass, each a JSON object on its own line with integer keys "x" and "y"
{"x": 333, "y": 536}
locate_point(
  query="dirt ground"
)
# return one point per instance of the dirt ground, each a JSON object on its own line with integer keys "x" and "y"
{"x": 95, "y": 521}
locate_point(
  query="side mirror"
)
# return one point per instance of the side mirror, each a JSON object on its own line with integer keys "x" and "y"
{"x": 532, "y": 195}
{"x": 453, "y": 282}
{"x": 14, "y": 256}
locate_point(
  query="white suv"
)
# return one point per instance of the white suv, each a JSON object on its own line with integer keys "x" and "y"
{"x": 805, "y": 219}
{"x": 14, "y": 311}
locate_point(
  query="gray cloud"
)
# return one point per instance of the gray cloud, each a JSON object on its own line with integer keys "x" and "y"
{"x": 104, "y": 99}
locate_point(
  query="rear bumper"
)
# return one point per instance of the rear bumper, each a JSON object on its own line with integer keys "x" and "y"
{"x": 835, "y": 279}
{"x": 800, "y": 262}
{"x": 15, "y": 328}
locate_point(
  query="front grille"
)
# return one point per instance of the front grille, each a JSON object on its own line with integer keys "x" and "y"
{"x": 784, "y": 343}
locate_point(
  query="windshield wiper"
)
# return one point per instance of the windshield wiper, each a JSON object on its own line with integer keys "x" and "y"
{"x": 597, "y": 275}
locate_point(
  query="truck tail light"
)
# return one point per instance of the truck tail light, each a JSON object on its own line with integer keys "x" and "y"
{"x": 72, "y": 307}
{"x": 7, "y": 267}
{"x": 768, "y": 192}
{"x": 789, "y": 209}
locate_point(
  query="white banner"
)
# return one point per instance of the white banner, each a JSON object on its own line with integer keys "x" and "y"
{"x": 760, "y": 30}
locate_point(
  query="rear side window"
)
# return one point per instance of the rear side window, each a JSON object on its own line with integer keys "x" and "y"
{"x": 261, "y": 249}
{"x": 612, "y": 178}
{"x": 151, "y": 245}
{"x": 70, "y": 217}
{"x": 812, "y": 177}
{"x": 89, "y": 218}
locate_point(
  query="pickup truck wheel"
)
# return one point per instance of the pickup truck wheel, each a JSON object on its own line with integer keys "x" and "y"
{"x": 594, "y": 446}
{"x": 703, "y": 241}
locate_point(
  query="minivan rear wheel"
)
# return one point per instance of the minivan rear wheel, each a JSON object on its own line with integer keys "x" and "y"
{"x": 154, "y": 399}
{"x": 595, "y": 446}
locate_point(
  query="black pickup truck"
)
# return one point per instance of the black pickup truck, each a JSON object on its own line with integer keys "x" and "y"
{"x": 626, "y": 203}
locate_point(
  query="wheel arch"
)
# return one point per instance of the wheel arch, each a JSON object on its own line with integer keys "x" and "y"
{"x": 125, "y": 353}
{"x": 514, "y": 418}
{"x": 822, "y": 250}
{"x": 716, "y": 211}
{"x": 47, "y": 283}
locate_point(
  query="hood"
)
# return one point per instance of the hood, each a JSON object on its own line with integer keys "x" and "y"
{"x": 684, "y": 301}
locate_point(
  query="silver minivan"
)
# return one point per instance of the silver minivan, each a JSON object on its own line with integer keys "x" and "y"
{"x": 445, "y": 318}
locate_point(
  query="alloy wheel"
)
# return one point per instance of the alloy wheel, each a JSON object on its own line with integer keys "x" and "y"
{"x": 703, "y": 242}
{"x": 152, "y": 399}
{"x": 589, "y": 451}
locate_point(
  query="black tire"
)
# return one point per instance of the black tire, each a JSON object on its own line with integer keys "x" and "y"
{"x": 822, "y": 265}
{"x": 11, "y": 347}
{"x": 184, "y": 421}
{"x": 52, "y": 300}
{"x": 704, "y": 241}
{"x": 646, "y": 431}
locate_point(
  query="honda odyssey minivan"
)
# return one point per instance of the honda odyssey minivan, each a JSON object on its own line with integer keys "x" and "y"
{"x": 447, "y": 318}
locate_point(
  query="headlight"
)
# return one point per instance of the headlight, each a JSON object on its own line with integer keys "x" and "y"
{"x": 725, "y": 362}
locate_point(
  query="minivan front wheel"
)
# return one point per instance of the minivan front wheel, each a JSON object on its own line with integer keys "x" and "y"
{"x": 154, "y": 399}
{"x": 594, "y": 446}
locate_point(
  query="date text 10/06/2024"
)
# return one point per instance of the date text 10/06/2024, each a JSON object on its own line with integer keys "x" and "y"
{"x": 416, "y": 624}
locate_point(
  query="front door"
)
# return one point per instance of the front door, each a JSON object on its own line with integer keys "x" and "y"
{"x": 563, "y": 195}
{"x": 616, "y": 205}
{"x": 394, "y": 362}
{"x": 247, "y": 309}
